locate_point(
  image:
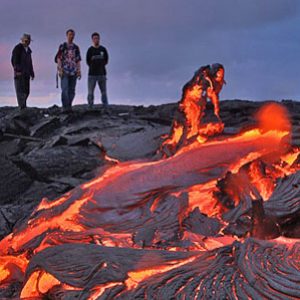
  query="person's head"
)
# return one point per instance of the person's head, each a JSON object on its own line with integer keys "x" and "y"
{"x": 26, "y": 39}
{"x": 218, "y": 72}
{"x": 219, "y": 75}
{"x": 70, "y": 33}
{"x": 96, "y": 39}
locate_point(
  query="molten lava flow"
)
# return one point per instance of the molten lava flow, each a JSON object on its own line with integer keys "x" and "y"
{"x": 99, "y": 290}
{"x": 40, "y": 283}
{"x": 91, "y": 242}
{"x": 37, "y": 284}
{"x": 136, "y": 277}
{"x": 273, "y": 116}
{"x": 12, "y": 268}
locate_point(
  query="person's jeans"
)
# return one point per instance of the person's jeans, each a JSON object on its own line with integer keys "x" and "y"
{"x": 101, "y": 80}
{"x": 22, "y": 86}
{"x": 68, "y": 84}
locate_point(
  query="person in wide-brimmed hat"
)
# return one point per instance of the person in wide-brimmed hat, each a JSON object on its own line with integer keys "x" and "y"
{"x": 23, "y": 69}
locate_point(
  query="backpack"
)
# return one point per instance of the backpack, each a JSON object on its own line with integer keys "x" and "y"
{"x": 58, "y": 52}
{"x": 56, "y": 59}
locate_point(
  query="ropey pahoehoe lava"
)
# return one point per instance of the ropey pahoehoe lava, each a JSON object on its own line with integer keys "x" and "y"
{"x": 214, "y": 218}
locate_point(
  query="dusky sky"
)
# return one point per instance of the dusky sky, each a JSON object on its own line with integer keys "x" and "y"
{"x": 156, "y": 46}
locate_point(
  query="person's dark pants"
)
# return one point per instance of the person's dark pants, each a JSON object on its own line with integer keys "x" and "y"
{"x": 68, "y": 84}
{"x": 22, "y": 86}
{"x": 101, "y": 80}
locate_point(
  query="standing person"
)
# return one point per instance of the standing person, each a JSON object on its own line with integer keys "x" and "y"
{"x": 21, "y": 61}
{"x": 68, "y": 65}
{"x": 97, "y": 59}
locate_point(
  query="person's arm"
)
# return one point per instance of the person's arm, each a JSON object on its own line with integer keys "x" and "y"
{"x": 16, "y": 60}
{"x": 78, "y": 59}
{"x": 88, "y": 57}
{"x": 78, "y": 70}
{"x": 214, "y": 97}
{"x": 105, "y": 57}
{"x": 31, "y": 69}
{"x": 32, "y": 75}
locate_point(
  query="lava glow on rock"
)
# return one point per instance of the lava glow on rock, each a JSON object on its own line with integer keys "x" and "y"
{"x": 211, "y": 221}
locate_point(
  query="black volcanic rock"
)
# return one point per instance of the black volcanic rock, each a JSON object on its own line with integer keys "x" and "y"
{"x": 45, "y": 153}
{"x": 268, "y": 272}
{"x": 200, "y": 223}
{"x": 67, "y": 149}
{"x": 63, "y": 160}
{"x": 13, "y": 180}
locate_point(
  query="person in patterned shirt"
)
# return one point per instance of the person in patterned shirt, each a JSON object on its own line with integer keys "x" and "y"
{"x": 68, "y": 65}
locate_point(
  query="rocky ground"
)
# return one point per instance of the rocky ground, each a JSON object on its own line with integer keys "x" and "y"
{"x": 45, "y": 153}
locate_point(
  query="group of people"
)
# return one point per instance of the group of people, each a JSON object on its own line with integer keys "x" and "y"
{"x": 68, "y": 58}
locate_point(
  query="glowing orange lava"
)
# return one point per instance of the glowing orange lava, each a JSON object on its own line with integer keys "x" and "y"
{"x": 110, "y": 209}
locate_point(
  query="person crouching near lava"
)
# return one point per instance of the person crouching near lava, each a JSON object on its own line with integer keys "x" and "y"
{"x": 207, "y": 82}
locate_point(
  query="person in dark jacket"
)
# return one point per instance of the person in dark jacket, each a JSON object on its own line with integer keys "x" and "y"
{"x": 68, "y": 64}
{"x": 23, "y": 69}
{"x": 97, "y": 59}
